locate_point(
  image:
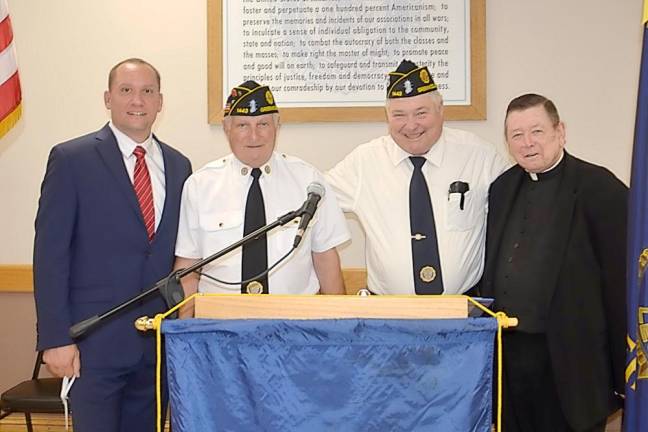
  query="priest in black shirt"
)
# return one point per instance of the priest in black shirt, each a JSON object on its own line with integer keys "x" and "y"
{"x": 555, "y": 258}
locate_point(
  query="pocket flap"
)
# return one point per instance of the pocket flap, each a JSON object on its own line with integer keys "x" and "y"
{"x": 222, "y": 221}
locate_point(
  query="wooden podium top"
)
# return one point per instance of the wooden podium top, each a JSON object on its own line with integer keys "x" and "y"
{"x": 226, "y": 306}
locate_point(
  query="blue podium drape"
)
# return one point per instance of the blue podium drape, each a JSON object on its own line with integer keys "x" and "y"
{"x": 325, "y": 375}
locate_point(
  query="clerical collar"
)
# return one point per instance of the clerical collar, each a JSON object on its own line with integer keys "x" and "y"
{"x": 549, "y": 172}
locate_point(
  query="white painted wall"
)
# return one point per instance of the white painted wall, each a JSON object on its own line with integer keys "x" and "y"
{"x": 582, "y": 53}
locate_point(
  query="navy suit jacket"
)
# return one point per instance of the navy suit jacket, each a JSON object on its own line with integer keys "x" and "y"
{"x": 91, "y": 250}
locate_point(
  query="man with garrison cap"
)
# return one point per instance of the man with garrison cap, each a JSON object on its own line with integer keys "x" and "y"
{"x": 420, "y": 193}
{"x": 237, "y": 194}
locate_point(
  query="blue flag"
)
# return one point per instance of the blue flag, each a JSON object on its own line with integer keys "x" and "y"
{"x": 636, "y": 404}
{"x": 329, "y": 375}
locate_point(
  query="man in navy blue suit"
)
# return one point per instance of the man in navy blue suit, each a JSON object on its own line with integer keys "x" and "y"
{"x": 101, "y": 239}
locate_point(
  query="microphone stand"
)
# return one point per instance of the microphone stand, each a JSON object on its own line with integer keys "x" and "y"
{"x": 169, "y": 287}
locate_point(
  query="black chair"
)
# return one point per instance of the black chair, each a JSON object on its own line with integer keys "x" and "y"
{"x": 38, "y": 395}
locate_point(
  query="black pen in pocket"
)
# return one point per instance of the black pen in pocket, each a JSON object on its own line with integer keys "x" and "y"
{"x": 461, "y": 188}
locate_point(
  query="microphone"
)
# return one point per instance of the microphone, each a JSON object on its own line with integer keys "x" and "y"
{"x": 315, "y": 193}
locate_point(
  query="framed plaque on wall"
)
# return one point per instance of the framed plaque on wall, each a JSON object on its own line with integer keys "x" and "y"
{"x": 327, "y": 61}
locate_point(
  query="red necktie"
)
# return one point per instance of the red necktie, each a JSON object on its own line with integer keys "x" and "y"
{"x": 144, "y": 191}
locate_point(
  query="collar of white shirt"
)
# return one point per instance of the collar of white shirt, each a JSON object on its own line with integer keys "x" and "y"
{"x": 434, "y": 155}
{"x": 127, "y": 144}
{"x": 245, "y": 170}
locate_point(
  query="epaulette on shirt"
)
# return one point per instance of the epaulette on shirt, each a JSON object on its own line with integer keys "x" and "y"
{"x": 294, "y": 160}
{"x": 217, "y": 164}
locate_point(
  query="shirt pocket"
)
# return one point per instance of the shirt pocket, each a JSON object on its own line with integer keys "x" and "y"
{"x": 219, "y": 230}
{"x": 284, "y": 236}
{"x": 222, "y": 221}
{"x": 466, "y": 218}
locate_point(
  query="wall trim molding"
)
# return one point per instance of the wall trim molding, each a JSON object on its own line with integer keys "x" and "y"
{"x": 16, "y": 278}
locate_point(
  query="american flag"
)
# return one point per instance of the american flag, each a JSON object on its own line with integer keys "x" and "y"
{"x": 10, "y": 94}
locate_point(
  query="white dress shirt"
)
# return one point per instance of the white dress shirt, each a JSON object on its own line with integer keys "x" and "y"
{"x": 154, "y": 162}
{"x": 373, "y": 182}
{"x": 212, "y": 217}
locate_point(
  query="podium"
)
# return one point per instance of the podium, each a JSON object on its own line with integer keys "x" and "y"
{"x": 330, "y": 363}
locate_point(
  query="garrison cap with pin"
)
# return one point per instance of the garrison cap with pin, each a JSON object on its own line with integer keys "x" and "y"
{"x": 250, "y": 99}
{"x": 409, "y": 80}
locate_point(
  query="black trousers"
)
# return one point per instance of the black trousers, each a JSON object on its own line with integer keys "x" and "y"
{"x": 530, "y": 400}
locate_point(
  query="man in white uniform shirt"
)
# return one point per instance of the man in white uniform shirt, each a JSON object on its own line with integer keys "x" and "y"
{"x": 420, "y": 193}
{"x": 219, "y": 201}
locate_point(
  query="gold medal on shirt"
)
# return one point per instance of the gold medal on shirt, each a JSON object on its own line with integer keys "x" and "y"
{"x": 427, "y": 274}
{"x": 254, "y": 287}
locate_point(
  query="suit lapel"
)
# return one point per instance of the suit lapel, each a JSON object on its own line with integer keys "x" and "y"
{"x": 170, "y": 173}
{"x": 562, "y": 221}
{"x": 112, "y": 157}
